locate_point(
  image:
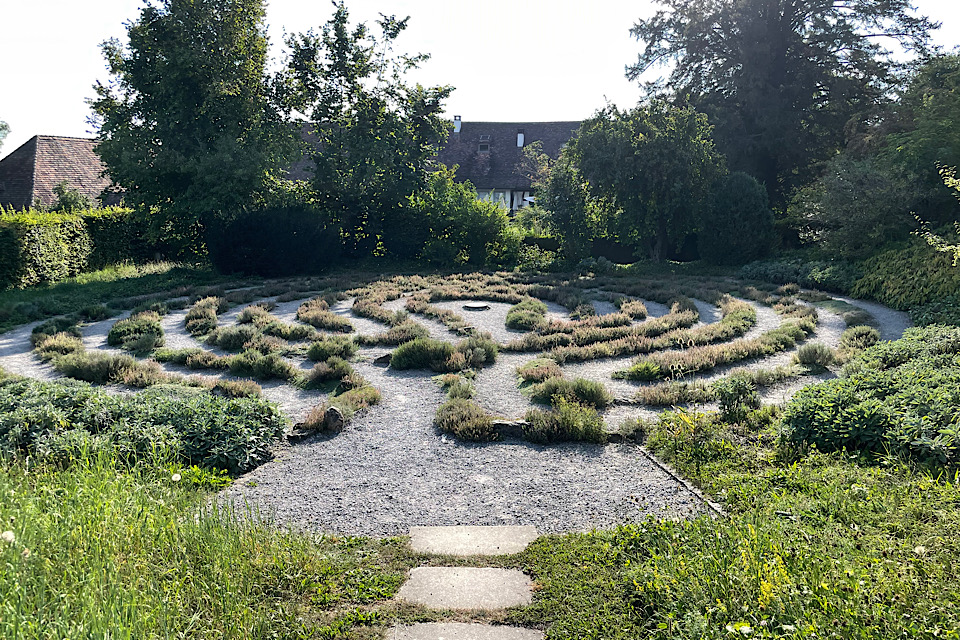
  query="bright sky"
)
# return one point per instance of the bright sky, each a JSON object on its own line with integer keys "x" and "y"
{"x": 510, "y": 60}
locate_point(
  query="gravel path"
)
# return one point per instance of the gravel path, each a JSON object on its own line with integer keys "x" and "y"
{"x": 390, "y": 470}
{"x": 891, "y": 323}
{"x": 16, "y": 355}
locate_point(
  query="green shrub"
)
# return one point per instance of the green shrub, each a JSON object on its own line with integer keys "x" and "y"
{"x": 634, "y": 308}
{"x": 232, "y": 338}
{"x": 907, "y": 278}
{"x": 737, "y": 396}
{"x": 836, "y": 276}
{"x": 36, "y": 248}
{"x": 201, "y": 319}
{"x": 356, "y": 400}
{"x": 859, "y": 338}
{"x": 858, "y": 317}
{"x": 815, "y": 354}
{"x": 466, "y": 420}
{"x": 898, "y": 396}
{"x": 567, "y": 421}
{"x": 526, "y": 315}
{"x": 95, "y": 313}
{"x": 54, "y": 326}
{"x": 141, "y": 332}
{"x": 583, "y": 391}
{"x": 941, "y": 311}
{"x": 333, "y": 369}
{"x": 176, "y": 356}
{"x": 199, "y": 429}
{"x": 288, "y": 331}
{"x": 421, "y": 353}
{"x": 339, "y": 346}
{"x": 94, "y": 366}
{"x": 739, "y": 225}
{"x": 321, "y": 318}
{"x": 461, "y": 389}
{"x": 253, "y": 313}
{"x": 59, "y": 344}
{"x": 202, "y": 359}
{"x": 251, "y": 363}
{"x": 237, "y": 389}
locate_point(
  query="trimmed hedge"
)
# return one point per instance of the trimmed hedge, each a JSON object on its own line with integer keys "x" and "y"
{"x": 38, "y": 247}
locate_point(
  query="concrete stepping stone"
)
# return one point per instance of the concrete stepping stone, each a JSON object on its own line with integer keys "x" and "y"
{"x": 462, "y": 631}
{"x": 469, "y": 541}
{"x": 469, "y": 588}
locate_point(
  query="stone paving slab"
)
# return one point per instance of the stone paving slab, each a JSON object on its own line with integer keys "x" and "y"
{"x": 462, "y": 631}
{"x": 469, "y": 541}
{"x": 479, "y": 589}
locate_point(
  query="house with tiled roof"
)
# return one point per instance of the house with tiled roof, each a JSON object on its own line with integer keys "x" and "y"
{"x": 29, "y": 173}
{"x": 489, "y": 155}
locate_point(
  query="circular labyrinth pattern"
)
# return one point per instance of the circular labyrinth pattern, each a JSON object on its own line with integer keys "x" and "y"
{"x": 651, "y": 343}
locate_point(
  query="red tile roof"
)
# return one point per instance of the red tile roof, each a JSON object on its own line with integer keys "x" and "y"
{"x": 31, "y": 171}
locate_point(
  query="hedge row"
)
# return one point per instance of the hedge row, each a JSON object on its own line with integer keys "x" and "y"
{"x": 38, "y": 247}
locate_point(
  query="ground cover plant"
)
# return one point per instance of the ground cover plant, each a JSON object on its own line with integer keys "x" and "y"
{"x": 141, "y": 332}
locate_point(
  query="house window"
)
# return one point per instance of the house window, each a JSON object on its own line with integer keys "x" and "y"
{"x": 484, "y": 147}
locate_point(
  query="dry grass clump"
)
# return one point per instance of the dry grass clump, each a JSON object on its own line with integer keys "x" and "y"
{"x": 539, "y": 370}
{"x": 146, "y": 374}
{"x": 397, "y": 335}
{"x": 237, "y": 389}
{"x": 255, "y": 313}
{"x": 53, "y": 346}
{"x": 253, "y": 364}
{"x": 567, "y": 421}
{"x": 580, "y": 390}
{"x": 286, "y": 331}
{"x": 327, "y": 347}
{"x": 232, "y": 338}
{"x": 668, "y": 394}
{"x": 815, "y": 354}
{"x": 316, "y": 312}
{"x": 330, "y": 370}
{"x": 526, "y": 315}
{"x": 95, "y": 366}
{"x": 676, "y": 364}
{"x": 448, "y": 318}
{"x": 466, "y": 420}
{"x": 201, "y": 319}
{"x": 634, "y": 308}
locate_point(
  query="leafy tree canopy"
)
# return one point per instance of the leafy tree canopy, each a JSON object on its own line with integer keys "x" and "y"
{"x": 652, "y": 167}
{"x": 189, "y": 124}
{"x": 4, "y": 130}
{"x": 378, "y": 135}
{"x": 780, "y": 79}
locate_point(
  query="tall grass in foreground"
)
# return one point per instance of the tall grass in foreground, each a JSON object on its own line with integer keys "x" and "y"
{"x": 103, "y": 553}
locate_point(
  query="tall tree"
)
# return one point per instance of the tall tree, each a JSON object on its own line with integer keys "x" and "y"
{"x": 377, "y": 135}
{"x": 188, "y": 124}
{"x": 4, "y": 130}
{"x": 779, "y": 78}
{"x": 653, "y": 166}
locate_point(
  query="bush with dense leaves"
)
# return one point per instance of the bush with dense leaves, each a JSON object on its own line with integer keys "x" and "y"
{"x": 581, "y": 390}
{"x": 198, "y": 428}
{"x": 466, "y": 420}
{"x": 738, "y": 228}
{"x": 274, "y": 242}
{"x": 567, "y": 421}
{"x": 141, "y": 332}
{"x": 526, "y": 315}
{"x": 896, "y": 396}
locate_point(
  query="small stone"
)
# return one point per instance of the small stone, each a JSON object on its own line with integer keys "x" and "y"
{"x": 476, "y": 306}
{"x": 333, "y": 419}
{"x": 382, "y": 361}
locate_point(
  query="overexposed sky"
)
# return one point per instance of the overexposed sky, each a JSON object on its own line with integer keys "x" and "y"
{"x": 510, "y": 60}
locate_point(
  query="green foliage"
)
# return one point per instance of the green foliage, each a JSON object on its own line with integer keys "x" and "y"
{"x": 739, "y": 225}
{"x": 253, "y": 363}
{"x": 653, "y": 166}
{"x": 837, "y": 276}
{"x": 815, "y": 354}
{"x": 95, "y": 366}
{"x": 427, "y": 353}
{"x": 332, "y": 369}
{"x": 909, "y": 277}
{"x": 378, "y": 134}
{"x": 188, "y": 124}
{"x": 141, "y": 332}
{"x": 329, "y": 346}
{"x": 526, "y": 315}
{"x": 458, "y": 228}
{"x": 69, "y": 200}
{"x": 317, "y": 314}
{"x": 465, "y": 419}
{"x": 195, "y": 429}
{"x": 399, "y": 334}
{"x": 50, "y": 347}
{"x": 201, "y": 319}
{"x": 751, "y": 65}
{"x": 232, "y": 338}
{"x": 567, "y": 421}
{"x": 273, "y": 242}
{"x": 237, "y": 389}
{"x": 896, "y": 396}
{"x": 737, "y": 396}
{"x": 582, "y": 391}
{"x": 37, "y": 248}
{"x": 858, "y": 338}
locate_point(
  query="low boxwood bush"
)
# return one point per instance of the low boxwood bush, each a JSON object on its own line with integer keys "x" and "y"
{"x": 466, "y": 420}
{"x": 195, "y": 428}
